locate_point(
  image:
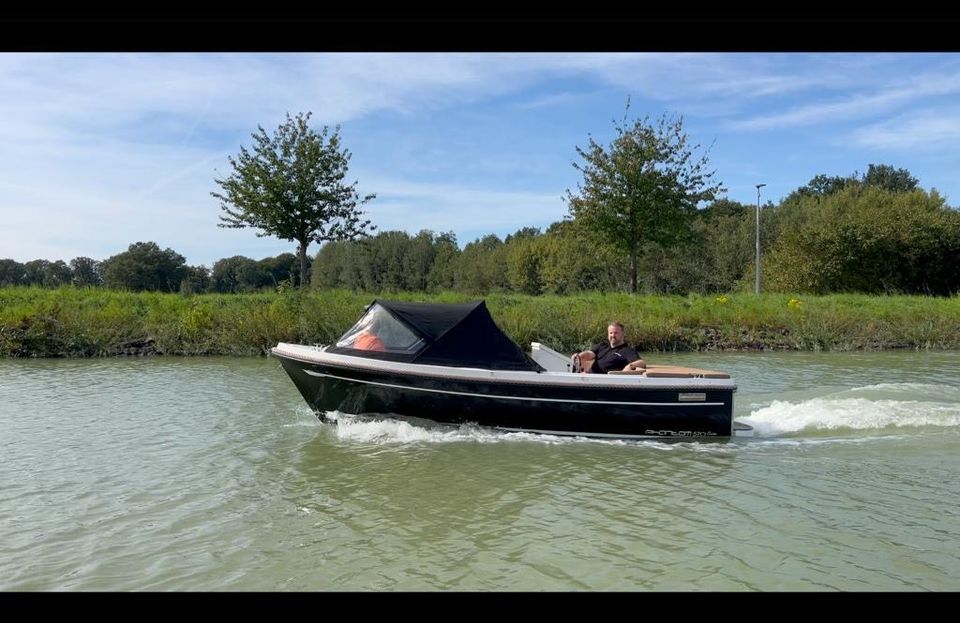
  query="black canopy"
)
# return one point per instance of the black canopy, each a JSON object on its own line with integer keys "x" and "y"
{"x": 453, "y": 334}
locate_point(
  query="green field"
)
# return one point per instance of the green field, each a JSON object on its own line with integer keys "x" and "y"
{"x": 95, "y": 322}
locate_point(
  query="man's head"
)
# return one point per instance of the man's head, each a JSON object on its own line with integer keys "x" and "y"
{"x": 615, "y": 333}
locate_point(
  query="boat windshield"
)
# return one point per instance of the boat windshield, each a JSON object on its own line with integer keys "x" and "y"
{"x": 378, "y": 330}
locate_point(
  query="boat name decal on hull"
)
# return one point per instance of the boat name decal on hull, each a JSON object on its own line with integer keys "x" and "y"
{"x": 680, "y": 433}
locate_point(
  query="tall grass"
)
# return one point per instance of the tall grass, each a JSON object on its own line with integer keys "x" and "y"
{"x": 93, "y": 322}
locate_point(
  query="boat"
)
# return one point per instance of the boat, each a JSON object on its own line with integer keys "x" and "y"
{"x": 451, "y": 364}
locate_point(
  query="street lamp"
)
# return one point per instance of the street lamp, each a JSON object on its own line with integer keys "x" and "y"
{"x": 757, "y": 285}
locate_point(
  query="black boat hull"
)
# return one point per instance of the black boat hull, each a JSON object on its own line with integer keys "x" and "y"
{"x": 629, "y": 410}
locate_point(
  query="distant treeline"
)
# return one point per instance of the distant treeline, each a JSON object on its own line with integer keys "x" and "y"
{"x": 145, "y": 267}
{"x": 873, "y": 233}
{"x": 835, "y": 235}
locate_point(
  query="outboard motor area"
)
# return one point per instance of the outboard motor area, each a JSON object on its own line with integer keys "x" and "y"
{"x": 551, "y": 360}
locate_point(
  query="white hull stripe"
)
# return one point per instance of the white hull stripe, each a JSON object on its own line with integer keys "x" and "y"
{"x": 533, "y": 399}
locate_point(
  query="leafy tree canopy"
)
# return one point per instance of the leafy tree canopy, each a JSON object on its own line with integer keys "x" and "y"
{"x": 144, "y": 266}
{"x": 291, "y": 185}
{"x": 644, "y": 187}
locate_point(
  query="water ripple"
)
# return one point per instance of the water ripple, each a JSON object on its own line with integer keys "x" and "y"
{"x": 211, "y": 474}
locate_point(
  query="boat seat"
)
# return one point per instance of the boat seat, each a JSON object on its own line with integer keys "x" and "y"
{"x": 675, "y": 372}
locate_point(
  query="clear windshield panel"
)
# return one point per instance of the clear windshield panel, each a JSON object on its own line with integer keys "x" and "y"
{"x": 380, "y": 331}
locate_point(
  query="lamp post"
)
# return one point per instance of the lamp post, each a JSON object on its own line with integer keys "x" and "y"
{"x": 757, "y": 285}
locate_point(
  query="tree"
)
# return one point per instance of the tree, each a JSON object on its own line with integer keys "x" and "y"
{"x": 442, "y": 273}
{"x": 881, "y": 175}
{"x": 524, "y": 259}
{"x": 643, "y": 188}
{"x": 419, "y": 259}
{"x": 86, "y": 271}
{"x": 889, "y": 178}
{"x": 195, "y": 279}
{"x": 382, "y": 261}
{"x": 233, "y": 274}
{"x": 144, "y": 266}
{"x": 35, "y": 271}
{"x": 330, "y": 265}
{"x": 481, "y": 266}
{"x": 291, "y": 186}
{"x": 872, "y": 240}
{"x": 12, "y": 273}
{"x": 57, "y": 274}
{"x": 822, "y": 185}
{"x": 280, "y": 269}
{"x": 723, "y": 249}
{"x": 522, "y": 233}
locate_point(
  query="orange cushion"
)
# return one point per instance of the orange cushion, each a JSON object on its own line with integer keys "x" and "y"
{"x": 368, "y": 341}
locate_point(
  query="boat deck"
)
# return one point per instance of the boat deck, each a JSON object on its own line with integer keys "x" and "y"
{"x": 674, "y": 372}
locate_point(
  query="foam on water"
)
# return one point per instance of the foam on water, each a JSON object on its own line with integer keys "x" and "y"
{"x": 943, "y": 393}
{"x": 869, "y": 408}
{"x": 385, "y": 430}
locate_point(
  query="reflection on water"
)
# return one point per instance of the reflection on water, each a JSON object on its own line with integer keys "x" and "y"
{"x": 211, "y": 474}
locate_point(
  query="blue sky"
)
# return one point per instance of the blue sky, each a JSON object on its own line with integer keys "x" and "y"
{"x": 106, "y": 149}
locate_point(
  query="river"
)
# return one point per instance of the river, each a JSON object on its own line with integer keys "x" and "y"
{"x": 211, "y": 474}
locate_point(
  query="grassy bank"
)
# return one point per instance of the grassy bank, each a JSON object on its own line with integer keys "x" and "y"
{"x": 80, "y": 322}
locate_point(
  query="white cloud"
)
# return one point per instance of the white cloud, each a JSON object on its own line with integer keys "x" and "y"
{"x": 859, "y": 106}
{"x": 929, "y": 129}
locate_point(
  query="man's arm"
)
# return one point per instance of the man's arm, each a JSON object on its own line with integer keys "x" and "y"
{"x": 636, "y": 363}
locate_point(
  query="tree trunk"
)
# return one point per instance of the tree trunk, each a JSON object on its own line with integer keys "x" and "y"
{"x": 302, "y": 252}
{"x": 633, "y": 267}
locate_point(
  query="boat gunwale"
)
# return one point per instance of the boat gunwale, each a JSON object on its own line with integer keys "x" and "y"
{"x": 454, "y": 373}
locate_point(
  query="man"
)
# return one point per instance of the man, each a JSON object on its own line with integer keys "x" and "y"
{"x": 614, "y": 354}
